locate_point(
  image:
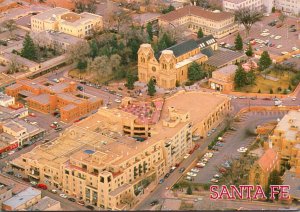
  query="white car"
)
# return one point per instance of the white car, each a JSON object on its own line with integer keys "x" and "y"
{"x": 272, "y": 36}
{"x": 117, "y": 100}
{"x": 279, "y": 46}
{"x": 294, "y": 98}
{"x": 295, "y": 49}
{"x": 242, "y": 149}
{"x": 33, "y": 183}
{"x": 201, "y": 165}
{"x": 216, "y": 176}
{"x": 63, "y": 196}
{"x": 208, "y": 154}
{"x": 191, "y": 174}
{"x": 195, "y": 170}
{"x": 284, "y": 53}
{"x": 214, "y": 180}
{"x": 186, "y": 156}
{"x": 277, "y": 37}
{"x": 11, "y": 152}
{"x": 188, "y": 178}
{"x": 266, "y": 30}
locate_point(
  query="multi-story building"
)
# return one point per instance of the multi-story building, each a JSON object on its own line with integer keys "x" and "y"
{"x": 49, "y": 97}
{"x": 217, "y": 23}
{"x": 261, "y": 169}
{"x": 233, "y": 5}
{"x": 102, "y": 161}
{"x": 289, "y": 7}
{"x": 170, "y": 66}
{"x": 286, "y": 140}
{"x": 46, "y": 204}
{"x": 6, "y": 100}
{"x": 5, "y": 193}
{"x": 223, "y": 78}
{"x": 65, "y": 21}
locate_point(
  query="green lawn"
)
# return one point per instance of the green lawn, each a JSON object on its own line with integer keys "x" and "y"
{"x": 264, "y": 85}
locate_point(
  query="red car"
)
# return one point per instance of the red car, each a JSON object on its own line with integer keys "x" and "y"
{"x": 32, "y": 114}
{"x": 53, "y": 126}
{"x": 42, "y": 186}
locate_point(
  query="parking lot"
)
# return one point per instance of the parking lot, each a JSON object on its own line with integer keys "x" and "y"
{"x": 287, "y": 41}
{"x": 233, "y": 141}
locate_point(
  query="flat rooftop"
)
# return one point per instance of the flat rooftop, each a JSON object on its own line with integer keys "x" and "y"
{"x": 227, "y": 70}
{"x": 44, "y": 204}
{"x": 16, "y": 186}
{"x": 292, "y": 118}
{"x": 51, "y": 13}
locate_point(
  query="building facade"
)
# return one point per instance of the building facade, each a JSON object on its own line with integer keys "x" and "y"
{"x": 288, "y": 7}
{"x": 65, "y": 21}
{"x": 223, "y": 78}
{"x": 50, "y": 97}
{"x": 97, "y": 161}
{"x": 170, "y": 66}
{"x": 6, "y": 100}
{"x": 233, "y": 5}
{"x": 216, "y": 23}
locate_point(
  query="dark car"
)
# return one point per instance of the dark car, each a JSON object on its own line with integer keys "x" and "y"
{"x": 90, "y": 207}
{"x": 181, "y": 170}
{"x": 71, "y": 199}
{"x": 154, "y": 202}
{"x": 80, "y": 88}
{"x": 10, "y": 172}
{"x": 167, "y": 175}
{"x": 58, "y": 129}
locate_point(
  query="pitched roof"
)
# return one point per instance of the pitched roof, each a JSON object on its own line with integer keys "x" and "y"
{"x": 220, "y": 58}
{"x": 189, "y": 45}
{"x": 267, "y": 159}
{"x": 196, "y": 11}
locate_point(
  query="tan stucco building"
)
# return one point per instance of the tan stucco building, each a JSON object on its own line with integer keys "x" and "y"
{"x": 171, "y": 65}
{"x": 63, "y": 20}
{"x": 223, "y": 79}
{"x": 101, "y": 159}
{"x": 217, "y": 23}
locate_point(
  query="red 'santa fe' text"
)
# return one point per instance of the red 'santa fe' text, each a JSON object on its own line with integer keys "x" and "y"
{"x": 248, "y": 192}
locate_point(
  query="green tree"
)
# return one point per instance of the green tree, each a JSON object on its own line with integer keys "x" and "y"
{"x": 165, "y": 41}
{"x": 195, "y": 72}
{"x": 264, "y": 61}
{"x": 189, "y": 190}
{"x": 168, "y": 9}
{"x": 150, "y": 31}
{"x": 29, "y": 50}
{"x": 238, "y": 42}
{"x": 249, "y": 51}
{"x": 271, "y": 91}
{"x": 240, "y": 77}
{"x": 250, "y": 78}
{"x": 273, "y": 9}
{"x": 151, "y": 87}
{"x": 247, "y": 17}
{"x": 200, "y": 33}
{"x": 82, "y": 65}
{"x": 274, "y": 179}
{"x": 130, "y": 81}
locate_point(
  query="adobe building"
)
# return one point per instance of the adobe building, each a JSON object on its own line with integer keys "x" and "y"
{"x": 170, "y": 66}
{"x": 223, "y": 79}
{"x": 49, "y": 97}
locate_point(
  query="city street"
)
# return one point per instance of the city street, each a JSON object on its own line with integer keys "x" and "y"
{"x": 250, "y": 121}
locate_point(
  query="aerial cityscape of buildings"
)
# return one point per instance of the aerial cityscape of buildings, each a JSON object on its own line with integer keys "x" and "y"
{"x": 149, "y": 105}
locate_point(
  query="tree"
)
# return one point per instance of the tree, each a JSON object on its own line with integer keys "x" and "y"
{"x": 282, "y": 17}
{"x": 240, "y": 77}
{"x": 271, "y": 91}
{"x": 78, "y": 51}
{"x": 101, "y": 66}
{"x": 119, "y": 18}
{"x": 264, "y": 61}
{"x": 130, "y": 81}
{"x": 168, "y": 9}
{"x": 247, "y": 17}
{"x": 249, "y": 51}
{"x": 238, "y": 42}
{"x": 150, "y": 31}
{"x": 128, "y": 199}
{"x": 85, "y": 6}
{"x": 10, "y": 25}
{"x": 151, "y": 87}
{"x": 29, "y": 50}
{"x": 189, "y": 190}
{"x": 273, "y": 10}
{"x": 165, "y": 41}
{"x": 200, "y": 33}
{"x": 82, "y": 65}
{"x": 115, "y": 61}
{"x": 274, "y": 179}
{"x": 250, "y": 78}
{"x": 195, "y": 72}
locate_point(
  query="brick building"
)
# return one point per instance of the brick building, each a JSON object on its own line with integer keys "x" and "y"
{"x": 49, "y": 97}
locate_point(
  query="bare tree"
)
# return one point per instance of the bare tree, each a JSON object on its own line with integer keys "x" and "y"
{"x": 14, "y": 66}
{"x": 115, "y": 61}
{"x": 101, "y": 66}
{"x": 119, "y": 18}
{"x": 10, "y": 25}
{"x": 247, "y": 17}
{"x": 78, "y": 51}
{"x": 128, "y": 199}
{"x": 282, "y": 17}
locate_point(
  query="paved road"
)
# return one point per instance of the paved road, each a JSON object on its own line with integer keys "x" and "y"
{"x": 253, "y": 120}
{"x": 234, "y": 140}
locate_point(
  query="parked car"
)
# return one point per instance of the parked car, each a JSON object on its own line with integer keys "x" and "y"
{"x": 53, "y": 191}
{"x": 90, "y": 207}
{"x": 63, "y": 196}
{"x": 154, "y": 202}
{"x": 42, "y": 186}
{"x": 25, "y": 179}
{"x": 80, "y": 202}
{"x": 188, "y": 178}
{"x": 167, "y": 175}
{"x": 33, "y": 183}
{"x": 181, "y": 170}
{"x": 71, "y": 199}
{"x": 80, "y": 88}
{"x": 161, "y": 181}
{"x": 32, "y": 114}
{"x": 214, "y": 180}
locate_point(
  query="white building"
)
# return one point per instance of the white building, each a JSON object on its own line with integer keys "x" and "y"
{"x": 288, "y": 7}
{"x": 233, "y": 5}
{"x": 6, "y": 100}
